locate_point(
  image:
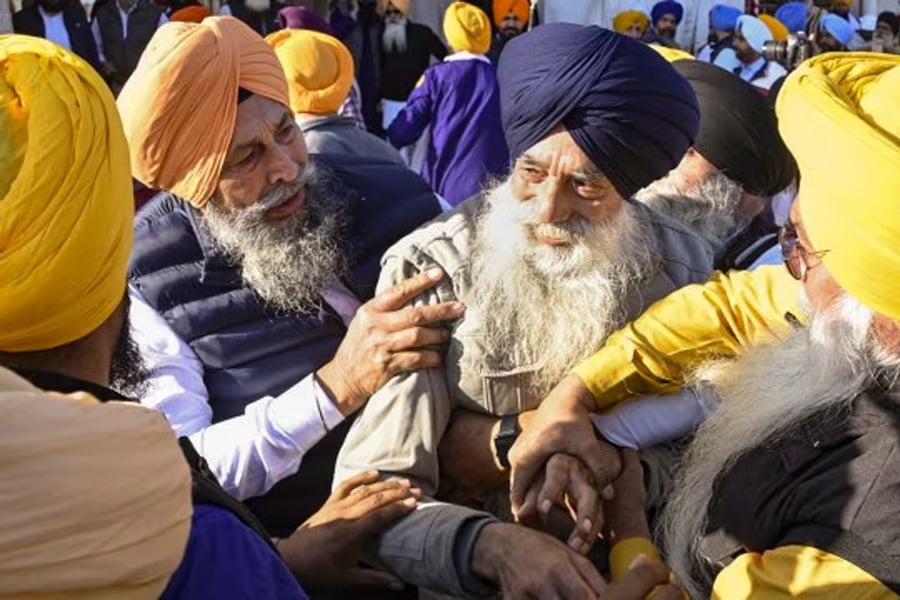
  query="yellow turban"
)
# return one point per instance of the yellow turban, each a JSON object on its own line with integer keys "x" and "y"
{"x": 179, "y": 107}
{"x": 779, "y": 31}
{"x": 625, "y": 20}
{"x": 66, "y": 201}
{"x": 672, "y": 54}
{"x": 401, "y": 5}
{"x": 318, "y": 67}
{"x": 520, "y": 8}
{"x": 95, "y": 499}
{"x": 467, "y": 28}
{"x": 838, "y": 115}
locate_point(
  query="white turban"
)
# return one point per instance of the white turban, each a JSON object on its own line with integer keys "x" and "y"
{"x": 754, "y": 31}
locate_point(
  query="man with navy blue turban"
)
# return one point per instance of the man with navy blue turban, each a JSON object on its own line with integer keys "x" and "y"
{"x": 665, "y": 17}
{"x": 548, "y": 262}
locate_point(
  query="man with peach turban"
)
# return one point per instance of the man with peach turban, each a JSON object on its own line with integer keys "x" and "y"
{"x": 319, "y": 72}
{"x": 248, "y": 269}
{"x": 459, "y": 100}
{"x": 790, "y": 486}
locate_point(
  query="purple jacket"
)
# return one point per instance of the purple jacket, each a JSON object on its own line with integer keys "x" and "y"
{"x": 460, "y": 100}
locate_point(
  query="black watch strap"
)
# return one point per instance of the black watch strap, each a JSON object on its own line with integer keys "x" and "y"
{"x": 505, "y": 438}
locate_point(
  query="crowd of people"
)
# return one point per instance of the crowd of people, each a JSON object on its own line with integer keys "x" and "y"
{"x": 330, "y": 304}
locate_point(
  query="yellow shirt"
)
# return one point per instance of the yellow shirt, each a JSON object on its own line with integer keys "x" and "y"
{"x": 690, "y": 326}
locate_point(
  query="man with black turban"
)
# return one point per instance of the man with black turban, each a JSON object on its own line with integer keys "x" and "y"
{"x": 548, "y": 262}
{"x": 723, "y": 187}
{"x": 665, "y": 17}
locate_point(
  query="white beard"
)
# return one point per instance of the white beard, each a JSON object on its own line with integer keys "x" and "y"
{"x": 545, "y": 306}
{"x": 259, "y": 6}
{"x": 763, "y": 393}
{"x": 710, "y": 208}
{"x": 394, "y": 37}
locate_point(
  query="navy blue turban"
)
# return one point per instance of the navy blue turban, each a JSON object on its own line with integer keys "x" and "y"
{"x": 666, "y": 7}
{"x": 622, "y": 103}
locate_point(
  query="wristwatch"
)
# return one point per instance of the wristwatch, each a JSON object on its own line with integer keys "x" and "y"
{"x": 505, "y": 438}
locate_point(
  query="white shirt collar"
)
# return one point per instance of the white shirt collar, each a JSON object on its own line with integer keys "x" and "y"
{"x": 464, "y": 55}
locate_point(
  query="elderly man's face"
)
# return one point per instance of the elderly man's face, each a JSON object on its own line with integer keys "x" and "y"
{"x": 265, "y": 161}
{"x": 820, "y": 287}
{"x": 694, "y": 170}
{"x": 511, "y": 25}
{"x": 667, "y": 26}
{"x": 392, "y": 14}
{"x": 827, "y": 42}
{"x": 562, "y": 183}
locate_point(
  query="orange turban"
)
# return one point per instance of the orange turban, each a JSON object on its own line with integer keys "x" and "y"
{"x": 625, "y": 20}
{"x": 318, "y": 67}
{"x": 503, "y": 7}
{"x": 779, "y": 31}
{"x": 401, "y": 5}
{"x": 179, "y": 107}
{"x": 191, "y": 14}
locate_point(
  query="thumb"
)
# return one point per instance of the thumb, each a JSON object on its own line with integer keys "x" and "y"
{"x": 361, "y": 578}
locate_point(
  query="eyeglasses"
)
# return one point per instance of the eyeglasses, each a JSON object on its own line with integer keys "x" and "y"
{"x": 796, "y": 257}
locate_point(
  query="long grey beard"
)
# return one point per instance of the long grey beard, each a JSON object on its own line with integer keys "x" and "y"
{"x": 710, "y": 208}
{"x": 394, "y": 37}
{"x": 762, "y": 394}
{"x": 287, "y": 264}
{"x": 550, "y": 307}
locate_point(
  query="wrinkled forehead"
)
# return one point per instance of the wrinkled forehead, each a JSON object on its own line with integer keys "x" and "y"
{"x": 558, "y": 153}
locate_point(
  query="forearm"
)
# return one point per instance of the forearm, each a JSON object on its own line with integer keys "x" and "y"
{"x": 251, "y": 453}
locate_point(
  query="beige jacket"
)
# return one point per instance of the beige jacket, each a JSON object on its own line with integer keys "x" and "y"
{"x": 399, "y": 430}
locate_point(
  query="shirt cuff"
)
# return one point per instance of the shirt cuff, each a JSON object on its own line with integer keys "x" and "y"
{"x": 625, "y": 551}
{"x": 304, "y": 413}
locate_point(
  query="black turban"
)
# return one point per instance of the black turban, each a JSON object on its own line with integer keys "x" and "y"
{"x": 624, "y": 105}
{"x": 891, "y": 20}
{"x": 738, "y": 130}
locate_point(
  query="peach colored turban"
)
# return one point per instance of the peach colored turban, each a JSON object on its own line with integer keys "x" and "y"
{"x": 66, "y": 203}
{"x": 179, "y": 107}
{"x": 401, "y": 5}
{"x": 191, "y": 14}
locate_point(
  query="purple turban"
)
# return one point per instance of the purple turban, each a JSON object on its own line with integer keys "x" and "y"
{"x": 666, "y": 7}
{"x": 300, "y": 17}
{"x": 624, "y": 105}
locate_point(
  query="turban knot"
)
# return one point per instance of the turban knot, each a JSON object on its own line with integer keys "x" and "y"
{"x": 838, "y": 115}
{"x": 66, "y": 203}
{"x": 318, "y": 67}
{"x": 179, "y": 107}
{"x": 623, "y": 104}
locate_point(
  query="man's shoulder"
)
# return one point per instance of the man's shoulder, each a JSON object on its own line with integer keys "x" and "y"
{"x": 445, "y": 240}
{"x": 160, "y": 206}
{"x": 682, "y": 250}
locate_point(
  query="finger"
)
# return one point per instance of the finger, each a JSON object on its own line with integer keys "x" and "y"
{"x": 416, "y": 337}
{"x": 377, "y": 520}
{"x": 556, "y": 481}
{"x": 570, "y": 586}
{"x": 523, "y": 473}
{"x": 640, "y": 579}
{"x": 420, "y": 316}
{"x": 590, "y": 575}
{"x": 345, "y": 487}
{"x": 528, "y": 513}
{"x": 587, "y": 512}
{"x": 361, "y": 493}
{"x": 402, "y": 293}
{"x": 371, "y": 579}
{"x": 412, "y": 360}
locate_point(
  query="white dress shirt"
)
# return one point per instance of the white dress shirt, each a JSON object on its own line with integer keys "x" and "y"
{"x": 762, "y": 73}
{"x": 55, "y": 29}
{"x": 249, "y": 453}
{"x": 123, "y": 15}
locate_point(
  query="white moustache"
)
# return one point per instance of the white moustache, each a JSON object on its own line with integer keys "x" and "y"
{"x": 553, "y": 232}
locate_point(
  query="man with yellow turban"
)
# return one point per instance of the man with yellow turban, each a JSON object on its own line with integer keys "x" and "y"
{"x": 511, "y": 17}
{"x": 406, "y": 51}
{"x": 248, "y": 270}
{"x": 319, "y": 72}
{"x": 97, "y": 497}
{"x": 631, "y": 23}
{"x": 460, "y": 101}
{"x": 790, "y": 486}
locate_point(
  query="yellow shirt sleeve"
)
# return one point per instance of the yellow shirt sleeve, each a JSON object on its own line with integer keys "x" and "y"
{"x": 791, "y": 571}
{"x": 625, "y": 551}
{"x": 696, "y": 323}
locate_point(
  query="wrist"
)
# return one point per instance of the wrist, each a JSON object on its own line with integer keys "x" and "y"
{"x": 630, "y": 523}
{"x": 331, "y": 379}
{"x": 487, "y": 554}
